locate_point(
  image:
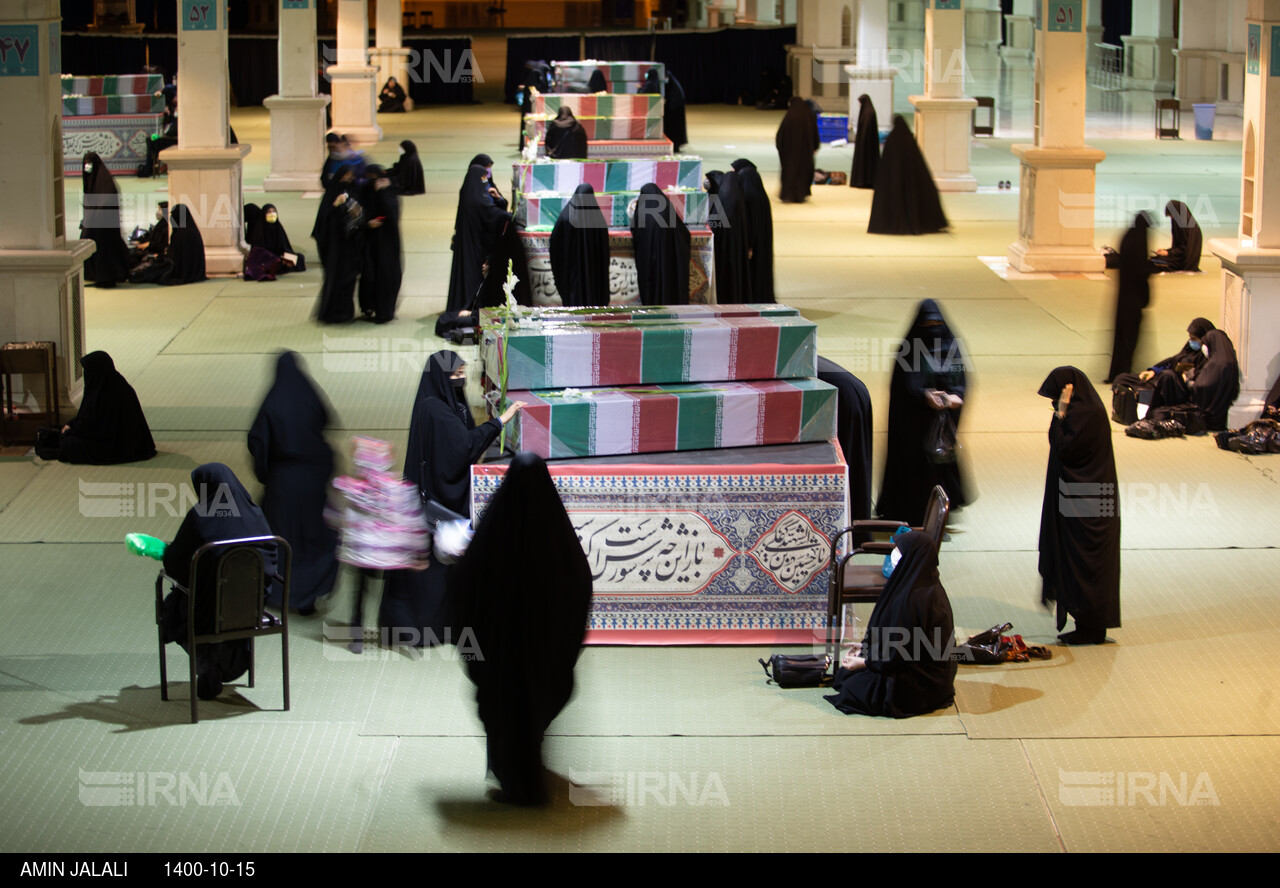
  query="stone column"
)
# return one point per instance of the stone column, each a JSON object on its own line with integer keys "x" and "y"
{"x": 1020, "y": 31}
{"x": 1251, "y": 261}
{"x": 205, "y": 171}
{"x": 1210, "y": 55}
{"x": 41, "y": 270}
{"x": 944, "y": 115}
{"x": 1056, "y": 195}
{"x": 787, "y": 9}
{"x": 760, "y": 12}
{"x": 354, "y": 81}
{"x": 826, "y": 40}
{"x": 1094, "y": 32}
{"x": 982, "y": 23}
{"x": 297, "y": 113}
{"x": 1148, "y": 51}
{"x": 870, "y": 72}
{"x": 391, "y": 57}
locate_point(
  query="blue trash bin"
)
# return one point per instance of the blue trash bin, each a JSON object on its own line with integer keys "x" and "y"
{"x": 1204, "y": 120}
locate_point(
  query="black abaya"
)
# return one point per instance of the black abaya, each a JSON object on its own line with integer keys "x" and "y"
{"x": 760, "y": 228}
{"x": 866, "y": 146}
{"x": 294, "y": 463}
{"x": 529, "y": 624}
{"x": 1133, "y": 293}
{"x": 730, "y": 225}
{"x": 537, "y": 77}
{"x": 110, "y": 427}
{"x": 1216, "y": 383}
{"x": 476, "y": 228}
{"x": 854, "y": 431}
{"x": 906, "y": 198}
{"x": 1169, "y": 385}
{"x": 407, "y": 173}
{"x": 797, "y": 141}
{"x": 930, "y": 358}
{"x": 908, "y": 644}
{"x": 674, "y": 126}
{"x": 1184, "y": 250}
{"x": 566, "y": 137}
{"x": 391, "y": 98}
{"x": 109, "y": 264}
{"x": 580, "y": 251}
{"x": 186, "y": 249}
{"x": 1080, "y": 516}
{"x": 662, "y": 244}
{"x": 271, "y": 236}
{"x": 382, "y": 269}
{"x": 340, "y": 239}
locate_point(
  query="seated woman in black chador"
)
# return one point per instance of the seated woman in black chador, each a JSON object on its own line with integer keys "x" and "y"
{"x": 223, "y": 511}
{"x": 566, "y": 137}
{"x": 110, "y": 427}
{"x": 1168, "y": 376}
{"x": 1184, "y": 251}
{"x": 1216, "y": 384}
{"x": 391, "y": 99}
{"x": 903, "y": 666}
{"x": 186, "y": 249}
{"x": 269, "y": 234}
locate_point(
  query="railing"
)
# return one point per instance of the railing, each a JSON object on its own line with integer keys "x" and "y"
{"x": 1108, "y": 73}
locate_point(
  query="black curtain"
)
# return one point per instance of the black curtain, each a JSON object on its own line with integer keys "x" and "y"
{"x": 546, "y": 47}
{"x": 725, "y": 65}
{"x": 620, "y": 47}
{"x": 89, "y": 55}
{"x": 1117, "y": 20}
{"x": 441, "y": 71}
{"x": 254, "y": 64}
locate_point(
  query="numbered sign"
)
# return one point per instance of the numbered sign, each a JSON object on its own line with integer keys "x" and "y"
{"x": 1253, "y": 55}
{"x": 946, "y": 4}
{"x": 296, "y": 4}
{"x": 1275, "y": 51}
{"x": 55, "y": 48}
{"x": 199, "y": 15}
{"x": 19, "y": 51}
{"x": 1065, "y": 15}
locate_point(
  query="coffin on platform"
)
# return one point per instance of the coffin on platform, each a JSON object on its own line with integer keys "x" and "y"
{"x": 598, "y": 105}
{"x": 542, "y": 210}
{"x": 619, "y": 77}
{"x": 607, "y": 175}
{"x": 558, "y": 315}
{"x": 114, "y": 116}
{"x": 600, "y": 129}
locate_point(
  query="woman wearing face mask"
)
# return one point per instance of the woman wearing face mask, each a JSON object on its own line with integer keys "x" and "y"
{"x": 109, "y": 264}
{"x": 444, "y": 441}
{"x": 1169, "y": 376}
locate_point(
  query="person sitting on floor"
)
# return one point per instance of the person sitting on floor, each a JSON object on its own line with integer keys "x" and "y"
{"x": 1184, "y": 252}
{"x": 1169, "y": 376}
{"x": 391, "y": 99}
{"x": 110, "y": 427}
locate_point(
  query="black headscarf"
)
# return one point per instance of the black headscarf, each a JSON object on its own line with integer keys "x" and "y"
{"x": 1133, "y": 293}
{"x": 651, "y": 85}
{"x": 908, "y": 643}
{"x": 596, "y": 82}
{"x": 186, "y": 248}
{"x": 484, "y": 160}
{"x": 674, "y": 126}
{"x": 854, "y": 431}
{"x": 1217, "y": 381}
{"x": 109, "y": 263}
{"x": 391, "y": 98}
{"x": 1187, "y": 355}
{"x": 508, "y": 249}
{"x": 730, "y": 225}
{"x": 272, "y": 236}
{"x": 662, "y": 244}
{"x": 1184, "y": 250}
{"x": 866, "y": 146}
{"x": 580, "y": 250}
{"x": 294, "y": 463}
{"x": 476, "y": 228}
{"x": 931, "y": 358}
{"x": 906, "y": 199}
{"x": 529, "y": 633}
{"x": 797, "y": 140}
{"x": 110, "y": 427}
{"x": 339, "y": 241}
{"x": 760, "y": 217}
{"x": 158, "y": 239}
{"x": 407, "y": 173}
{"x": 1080, "y": 516}
{"x": 566, "y": 137}
{"x": 537, "y": 76}
{"x": 382, "y": 262}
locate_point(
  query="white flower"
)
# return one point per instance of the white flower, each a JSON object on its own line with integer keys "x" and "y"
{"x": 571, "y": 393}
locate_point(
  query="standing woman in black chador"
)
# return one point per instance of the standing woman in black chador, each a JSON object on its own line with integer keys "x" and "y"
{"x": 484, "y": 160}
{"x": 903, "y": 666}
{"x": 674, "y": 126}
{"x": 662, "y": 245}
{"x": 580, "y": 251}
{"x": 760, "y": 218}
{"x": 477, "y": 225}
{"x": 537, "y": 75}
{"x": 853, "y": 430}
{"x": 109, "y": 264}
{"x": 1133, "y": 294}
{"x": 294, "y": 463}
{"x": 866, "y": 146}
{"x": 1080, "y": 547}
{"x": 444, "y": 441}
{"x": 928, "y": 378}
{"x": 797, "y": 142}
{"x": 529, "y": 632}
{"x": 224, "y": 511}
{"x": 110, "y": 427}
{"x": 566, "y": 137}
{"x": 906, "y": 198}
{"x": 186, "y": 248}
{"x": 731, "y": 232}
{"x": 1184, "y": 251}
{"x": 508, "y": 251}
{"x": 383, "y": 264}
{"x": 406, "y": 172}
{"x": 339, "y": 237}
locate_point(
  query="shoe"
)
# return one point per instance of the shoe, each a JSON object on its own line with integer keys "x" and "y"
{"x": 307, "y": 611}
{"x": 1082, "y": 636}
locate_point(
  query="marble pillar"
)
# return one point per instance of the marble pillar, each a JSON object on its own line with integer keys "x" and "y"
{"x": 354, "y": 82}
{"x": 944, "y": 115}
{"x": 390, "y": 56}
{"x": 297, "y": 112}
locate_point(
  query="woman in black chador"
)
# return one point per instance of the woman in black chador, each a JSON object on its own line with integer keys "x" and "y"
{"x": 529, "y": 631}
{"x": 661, "y": 242}
{"x": 224, "y": 511}
{"x": 1080, "y": 518}
{"x": 508, "y": 251}
{"x": 580, "y": 251}
{"x": 294, "y": 463}
{"x": 484, "y": 160}
{"x": 406, "y": 172}
{"x": 928, "y": 378}
{"x": 566, "y": 137}
{"x": 1168, "y": 377}
{"x": 186, "y": 249}
{"x": 760, "y": 227}
{"x": 903, "y": 666}
{"x": 391, "y": 99}
{"x": 537, "y": 75}
{"x": 1184, "y": 251}
{"x": 866, "y": 146}
{"x": 269, "y": 234}
{"x": 339, "y": 238}
{"x": 853, "y": 430}
{"x": 383, "y": 265}
{"x": 444, "y": 441}
{"x": 731, "y": 237}
{"x": 906, "y": 198}
{"x": 110, "y": 427}
{"x": 477, "y": 225}
{"x": 1216, "y": 383}
{"x": 109, "y": 264}
{"x": 797, "y": 142}
{"x": 674, "y": 125}
{"x": 1133, "y": 293}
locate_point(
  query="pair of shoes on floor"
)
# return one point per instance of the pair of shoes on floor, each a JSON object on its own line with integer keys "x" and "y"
{"x": 1004, "y": 185}
{"x": 1084, "y": 636}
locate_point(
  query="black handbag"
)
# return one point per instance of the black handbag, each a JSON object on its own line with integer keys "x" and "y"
{"x": 985, "y": 647}
{"x": 940, "y": 445}
{"x": 807, "y": 671}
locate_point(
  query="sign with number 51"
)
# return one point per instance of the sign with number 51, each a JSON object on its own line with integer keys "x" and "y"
{"x": 1065, "y": 15}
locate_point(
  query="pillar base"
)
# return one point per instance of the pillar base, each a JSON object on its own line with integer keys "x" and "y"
{"x": 1251, "y": 317}
{"x": 942, "y": 131}
{"x": 209, "y": 182}
{"x": 355, "y": 101}
{"x": 982, "y": 27}
{"x": 42, "y": 300}
{"x": 1020, "y": 37}
{"x": 876, "y": 82}
{"x": 297, "y": 142}
{"x": 1055, "y": 211}
{"x": 818, "y": 73}
{"x": 392, "y": 61}
{"x": 1149, "y": 62}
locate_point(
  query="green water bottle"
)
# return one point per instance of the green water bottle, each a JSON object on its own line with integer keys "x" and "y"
{"x": 142, "y": 544}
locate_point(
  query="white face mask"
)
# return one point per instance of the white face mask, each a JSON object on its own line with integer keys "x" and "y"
{"x": 88, "y": 168}
{"x": 894, "y": 557}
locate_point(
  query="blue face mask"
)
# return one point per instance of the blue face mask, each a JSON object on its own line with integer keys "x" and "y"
{"x": 1194, "y": 344}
